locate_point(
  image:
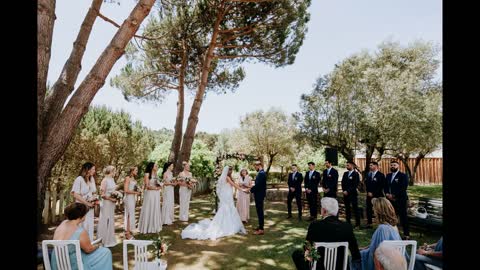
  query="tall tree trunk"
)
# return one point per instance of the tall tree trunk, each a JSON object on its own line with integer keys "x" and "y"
{"x": 270, "y": 161}
{"x": 408, "y": 171}
{"x": 415, "y": 168}
{"x": 177, "y": 137}
{"x": 368, "y": 158}
{"x": 63, "y": 129}
{"x": 348, "y": 154}
{"x": 197, "y": 103}
{"x": 45, "y": 22}
{"x": 64, "y": 85}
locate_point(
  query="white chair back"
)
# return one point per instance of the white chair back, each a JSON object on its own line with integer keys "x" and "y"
{"x": 140, "y": 253}
{"x": 62, "y": 256}
{"x": 330, "y": 255}
{"x": 401, "y": 246}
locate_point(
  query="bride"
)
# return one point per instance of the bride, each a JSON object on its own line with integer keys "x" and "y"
{"x": 226, "y": 221}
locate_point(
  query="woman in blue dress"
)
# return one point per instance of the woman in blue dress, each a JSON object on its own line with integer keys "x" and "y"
{"x": 387, "y": 230}
{"x": 93, "y": 257}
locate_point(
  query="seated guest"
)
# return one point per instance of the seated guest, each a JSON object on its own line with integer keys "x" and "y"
{"x": 389, "y": 258}
{"x": 329, "y": 229}
{"x": 431, "y": 254}
{"x": 387, "y": 230}
{"x": 93, "y": 257}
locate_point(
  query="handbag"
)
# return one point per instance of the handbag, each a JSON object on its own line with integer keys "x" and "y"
{"x": 421, "y": 212}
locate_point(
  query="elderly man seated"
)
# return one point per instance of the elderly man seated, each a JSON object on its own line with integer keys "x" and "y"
{"x": 389, "y": 258}
{"x": 329, "y": 229}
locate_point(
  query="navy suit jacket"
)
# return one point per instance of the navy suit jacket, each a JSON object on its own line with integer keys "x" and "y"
{"x": 295, "y": 183}
{"x": 330, "y": 181}
{"x": 397, "y": 187}
{"x": 312, "y": 184}
{"x": 260, "y": 189}
{"x": 350, "y": 184}
{"x": 376, "y": 185}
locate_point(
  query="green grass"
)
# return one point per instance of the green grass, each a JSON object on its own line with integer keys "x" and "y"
{"x": 432, "y": 191}
{"x": 270, "y": 251}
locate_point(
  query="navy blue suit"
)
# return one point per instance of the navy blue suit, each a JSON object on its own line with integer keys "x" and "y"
{"x": 296, "y": 183}
{"x": 330, "y": 181}
{"x": 259, "y": 192}
{"x": 375, "y": 185}
{"x": 312, "y": 184}
{"x": 398, "y": 188}
{"x": 350, "y": 184}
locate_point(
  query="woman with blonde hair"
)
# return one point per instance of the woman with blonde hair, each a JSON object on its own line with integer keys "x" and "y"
{"x": 106, "y": 221}
{"x": 185, "y": 191}
{"x": 243, "y": 198}
{"x": 387, "y": 230}
{"x": 129, "y": 202}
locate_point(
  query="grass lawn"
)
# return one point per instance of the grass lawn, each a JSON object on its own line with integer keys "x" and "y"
{"x": 270, "y": 251}
{"x": 432, "y": 191}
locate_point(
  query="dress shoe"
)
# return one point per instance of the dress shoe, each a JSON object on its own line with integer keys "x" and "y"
{"x": 259, "y": 232}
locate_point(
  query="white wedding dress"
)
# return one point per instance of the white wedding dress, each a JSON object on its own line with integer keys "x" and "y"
{"x": 225, "y": 222}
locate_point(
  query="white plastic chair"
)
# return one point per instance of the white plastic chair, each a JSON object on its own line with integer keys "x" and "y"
{"x": 60, "y": 248}
{"x": 401, "y": 246}
{"x": 330, "y": 255}
{"x": 140, "y": 255}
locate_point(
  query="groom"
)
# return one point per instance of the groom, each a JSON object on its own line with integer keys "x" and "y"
{"x": 259, "y": 192}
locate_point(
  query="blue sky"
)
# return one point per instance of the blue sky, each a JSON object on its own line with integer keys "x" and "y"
{"x": 337, "y": 29}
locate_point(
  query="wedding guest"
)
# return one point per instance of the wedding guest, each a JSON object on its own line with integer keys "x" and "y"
{"x": 106, "y": 221}
{"x": 396, "y": 192}
{"x": 388, "y": 257}
{"x": 185, "y": 191}
{"x": 151, "y": 213}
{"x": 83, "y": 190}
{"x": 243, "y": 198}
{"x": 131, "y": 191}
{"x": 329, "y": 229}
{"x": 431, "y": 254}
{"x": 387, "y": 230}
{"x": 168, "y": 194}
{"x": 93, "y": 257}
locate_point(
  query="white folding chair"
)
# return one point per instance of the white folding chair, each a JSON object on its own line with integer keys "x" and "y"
{"x": 60, "y": 249}
{"x": 330, "y": 255}
{"x": 432, "y": 267}
{"x": 140, "y": 255}
{"x": 401, "y": 246}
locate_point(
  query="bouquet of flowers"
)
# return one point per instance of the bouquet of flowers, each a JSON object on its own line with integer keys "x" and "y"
{"x": 311, "y": 253}
{"x": 136, "y": 188}
{"x": 160, "y": 247}
{"x": 117, "y": 195}
{"x": 94, "y": 199}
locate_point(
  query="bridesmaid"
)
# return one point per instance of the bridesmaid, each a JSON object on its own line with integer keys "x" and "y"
{"x": 151, "y": 213}
{"x": 185, "y": 192}
{"x": 168, "y": 199}
{"x": 129, "y": 202}
{"x": 106, "y": 221}
{"x": 83, "y": 189}
{"x": 243, "y": 198}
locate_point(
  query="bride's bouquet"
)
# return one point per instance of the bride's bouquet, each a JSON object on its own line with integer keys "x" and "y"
{"x": 117, "y": 195}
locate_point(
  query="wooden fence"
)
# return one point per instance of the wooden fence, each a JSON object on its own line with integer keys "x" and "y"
{"x": 430, "y": 170}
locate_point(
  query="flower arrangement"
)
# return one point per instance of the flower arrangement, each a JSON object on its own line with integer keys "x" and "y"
{"x": 94, "y": 199}
{"x": 311, "y": 253}
{"x": 160, "y": 247}
{"x": 117, "y": 195}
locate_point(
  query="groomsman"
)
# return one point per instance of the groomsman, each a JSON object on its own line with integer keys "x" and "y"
{"x": 312, "y": 179}
{"x": 350, "y": 181}
{"x": 396, "y": 192}
{"x": 295, "y": 180}
{"x": 330, "y": 180}
{"x": 375, "y": 184}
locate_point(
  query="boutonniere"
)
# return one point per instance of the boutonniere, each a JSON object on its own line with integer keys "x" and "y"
{"x": 350, "y": 177}
{"x": 313, "y": 177}
{"x": 396, "y": 179}
{"x": 374, "y": 179}
{"x": 295, "y": 178}
{"x": 329, "y": 175}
